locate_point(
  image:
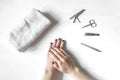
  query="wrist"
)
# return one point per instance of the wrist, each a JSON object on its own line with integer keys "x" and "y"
{"x": 47, "y": 74}
{"x": 79, "y": 75}
{"x": 75, "y": 71}
{"x": 50, "y": 71}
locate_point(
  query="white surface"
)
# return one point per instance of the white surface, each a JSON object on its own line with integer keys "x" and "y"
{"x": 30, "y": 65}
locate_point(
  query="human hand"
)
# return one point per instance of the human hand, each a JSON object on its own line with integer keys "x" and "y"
{"x": 63, "y": 62}
{"x": 58, "y": 43}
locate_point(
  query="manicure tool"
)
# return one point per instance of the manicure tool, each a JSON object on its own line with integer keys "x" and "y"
{"x": 91, "y": 47}
{"x": 92, "y": 34}
{"x": 91, "y": 23}
{"x": 77, "y": 15}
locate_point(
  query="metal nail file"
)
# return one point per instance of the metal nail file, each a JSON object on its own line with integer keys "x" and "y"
{"x": 92, "y": 34}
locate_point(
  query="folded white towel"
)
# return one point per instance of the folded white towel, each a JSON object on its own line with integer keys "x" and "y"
{"x": 29, "y": 29}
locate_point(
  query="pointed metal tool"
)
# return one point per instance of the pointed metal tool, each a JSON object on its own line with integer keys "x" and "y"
{"x": 91, "y": 47}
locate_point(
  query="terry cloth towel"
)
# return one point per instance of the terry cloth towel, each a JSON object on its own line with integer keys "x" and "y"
{"x": 29, "y": 29}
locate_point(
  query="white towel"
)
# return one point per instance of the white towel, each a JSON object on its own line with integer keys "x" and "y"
{"x": 29, "y": 29}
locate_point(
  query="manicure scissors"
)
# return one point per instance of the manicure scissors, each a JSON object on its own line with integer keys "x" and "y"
{"x": 91, "y": 23}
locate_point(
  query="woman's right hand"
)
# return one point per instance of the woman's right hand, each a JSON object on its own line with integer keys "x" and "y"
{"x": 63, "y": 61}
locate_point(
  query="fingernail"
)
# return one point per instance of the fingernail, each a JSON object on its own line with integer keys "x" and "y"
{"x": 55, "y": 39}
{"x": 52, "y": 62}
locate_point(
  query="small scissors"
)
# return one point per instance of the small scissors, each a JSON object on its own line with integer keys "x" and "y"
{"x": 92, "y": 24}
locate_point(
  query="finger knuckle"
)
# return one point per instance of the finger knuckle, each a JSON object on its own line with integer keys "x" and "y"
{"x": 65, "y": 59}
{"x": 59, "y": 62}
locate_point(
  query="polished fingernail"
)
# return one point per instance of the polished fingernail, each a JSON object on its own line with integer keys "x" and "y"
{"x": 52, "y": 62}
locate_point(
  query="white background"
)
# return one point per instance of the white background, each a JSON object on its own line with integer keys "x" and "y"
{"x": 30, "y": 65}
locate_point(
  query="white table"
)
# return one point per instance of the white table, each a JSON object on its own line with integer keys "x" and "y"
{"x": 30, "y": 65}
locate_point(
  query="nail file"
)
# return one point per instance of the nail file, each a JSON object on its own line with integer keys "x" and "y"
{"x": 91, "y": 47}
{"x": 32, "y": 26}
{"x": 92, "y": 34}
